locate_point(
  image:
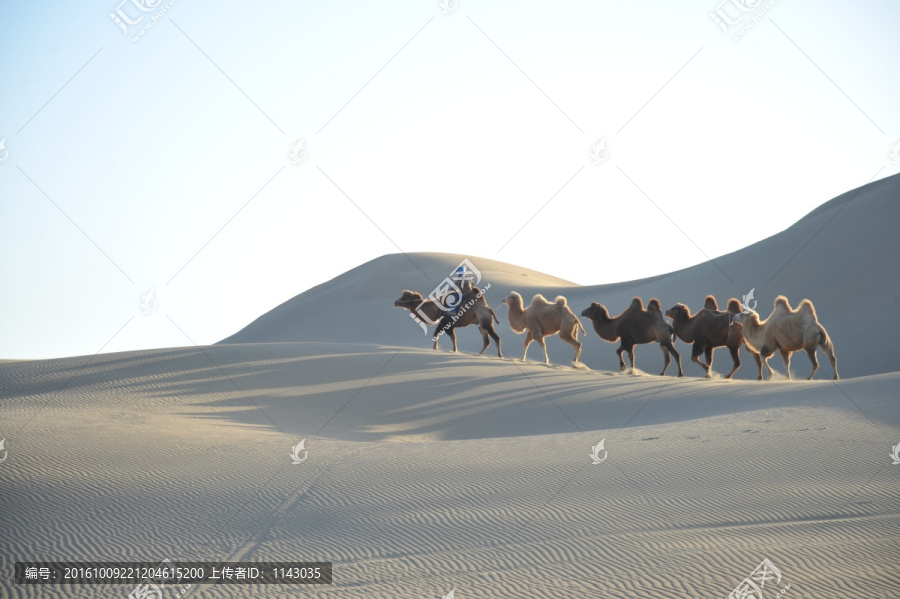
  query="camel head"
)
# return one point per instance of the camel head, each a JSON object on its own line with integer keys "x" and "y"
{"x": 514, "y": 299}
{"x": 596, "y": 312}
{"x": 408, "y": 298}
{"x": 745, "y": 317}
{"x": 678, "y": 312}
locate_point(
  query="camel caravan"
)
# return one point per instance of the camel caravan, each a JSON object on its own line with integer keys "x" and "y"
{"x": 785, "y": 330}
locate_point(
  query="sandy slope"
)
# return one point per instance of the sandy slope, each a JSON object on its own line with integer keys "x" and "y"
{"x": 430, "y": 471}
{"x": 842, "y": 256}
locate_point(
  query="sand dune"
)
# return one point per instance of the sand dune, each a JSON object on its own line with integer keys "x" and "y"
{"x": 839, "y": 256}
{"x": 429, "y": 471}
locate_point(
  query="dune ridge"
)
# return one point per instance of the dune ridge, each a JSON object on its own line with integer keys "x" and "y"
{"x": 838, "y": 256}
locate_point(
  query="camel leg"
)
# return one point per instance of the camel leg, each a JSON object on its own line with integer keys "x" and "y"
{"x": 766, "y": 353}
{"x": 667, "y": 359}
{"x": 828, "y": 348}
{"x": 786, "y": 356}
{"x": 765, "y": 360}
{"x": 811, "y": 352}
{"x": 758, "y": 361}
{"x": 630, "y": 349}
{"x": 452, "y": 334}
{"x": 437, "y": 332}
{"x": 695, "y": 357}
{"x": 495, "y": 337}
{"x": 571, "y": 337}
{"x": 528, "y": 340}
{"x": 668, "y": 346}
{"x": 736, "y": 358}
{"x": 709, "y": 357}
{"x": 621, "y": 361}
{"x": 484, "y": 338}
{"x": 540, "y": 341}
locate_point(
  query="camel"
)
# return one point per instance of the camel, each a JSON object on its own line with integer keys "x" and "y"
{"x": 635, "y": 326}
{"x": 788, "y": 330}
{"x": 476, "y": 312}
{"x": 543, "y": 318}
{"x": 709, "y": 329}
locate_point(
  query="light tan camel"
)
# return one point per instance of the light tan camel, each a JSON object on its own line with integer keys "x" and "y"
{"x": 788, "y": 330}
{"x": 543, "y": 318}
{"x": 474, "y": 311}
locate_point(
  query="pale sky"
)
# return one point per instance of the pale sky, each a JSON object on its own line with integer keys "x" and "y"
{"x": 164, "y": 163}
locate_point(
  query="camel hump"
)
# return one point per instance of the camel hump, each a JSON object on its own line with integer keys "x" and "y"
{"x": 807, "y": 306}
{"x": 560, "y": 300}
{"x": 734, "y": 306}
{"x": 637, "y": 303}
{"x": 539, "y": 300}
{"x": 710, "y": 303}
{"x": 782, "y": 302}
{"x": 408, "y": 295}
{"x": 654, "y": 305}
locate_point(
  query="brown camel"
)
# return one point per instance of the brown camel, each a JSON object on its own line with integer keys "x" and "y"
{"x": 543, "y": 318}
{"x": 788, "y": 330}
{"x": 474, "y": 311}
{"x": 709, "y": 329}
{"x": 635, "y": 326}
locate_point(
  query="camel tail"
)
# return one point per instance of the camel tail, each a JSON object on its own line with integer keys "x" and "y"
{"x": 825, "y": 340}
{"x": 567, "y": 313}
{"x": 494, "y": 315}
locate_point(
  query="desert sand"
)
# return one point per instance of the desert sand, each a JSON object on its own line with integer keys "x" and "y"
{"x": 432, "y": 471}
